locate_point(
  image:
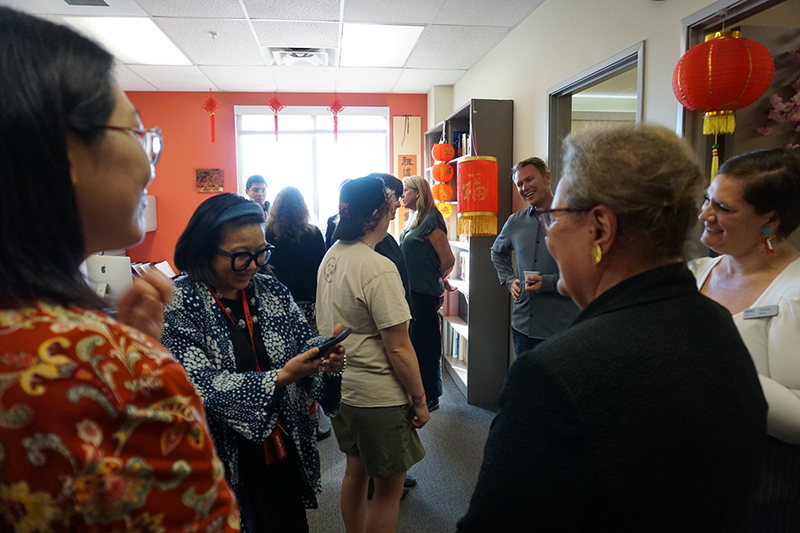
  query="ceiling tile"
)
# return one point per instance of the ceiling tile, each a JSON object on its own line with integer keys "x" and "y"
{"x": 194, "y": 8}
{"x": 391, "y": 11}
{"x": 244, "y": 79}
{"x": 454, "y": 47}
{"x": 366, "y": 80}
{"x": 304, "y": 79}
{"x": 28, "y": 6}
{"x": 297, "y": 34}
{"x": 471, "y": 12}
{"x": 174, "y": 78}
{"x": 129, "y": 80}
{"x": 325, "y": 10}
{"x": 421, "y": 80}
{"x": 234, "y": 43}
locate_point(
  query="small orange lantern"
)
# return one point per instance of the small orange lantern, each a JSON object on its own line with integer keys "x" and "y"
{"x": 445, "y": 209}
{"x": 442, "y": 152}
{"x": 442, "y": 192}
{"x": 442, "y": 172}
{"x": 477, "y": 195}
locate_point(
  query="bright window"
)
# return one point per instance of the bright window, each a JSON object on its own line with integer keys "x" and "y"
{"x": 305, "y": 155}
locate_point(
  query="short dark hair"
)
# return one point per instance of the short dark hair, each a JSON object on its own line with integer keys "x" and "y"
{"x": 57, "y": 83}
{"x": 197, "y": 245}
{"x": 255, "y": 178}
{"x": 390, "y": 182}
{"x": 537, "y": 162}
{"x": 771, "y": 182}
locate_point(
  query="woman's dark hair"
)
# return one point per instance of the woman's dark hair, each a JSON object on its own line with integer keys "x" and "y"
{"x": 288, "y": 216}
{"x": 54, "y": 82}
{"x": 197, "y": 245}
{"x": 771, "y": 182}
{"x": 390, "y": 182}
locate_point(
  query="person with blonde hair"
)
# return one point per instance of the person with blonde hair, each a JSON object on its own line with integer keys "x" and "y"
{"x": 646, "y": 414}
{"x": 429, "y": 260}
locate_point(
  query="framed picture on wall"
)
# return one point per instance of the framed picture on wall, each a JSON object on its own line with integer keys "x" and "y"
{"x": 209, "y": 179}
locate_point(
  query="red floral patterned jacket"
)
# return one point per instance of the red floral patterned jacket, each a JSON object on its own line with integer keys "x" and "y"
{"x": 100, "y": 430}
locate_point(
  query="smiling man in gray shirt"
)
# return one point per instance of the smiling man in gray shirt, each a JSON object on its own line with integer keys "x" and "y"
{"x": 539, "y": 310}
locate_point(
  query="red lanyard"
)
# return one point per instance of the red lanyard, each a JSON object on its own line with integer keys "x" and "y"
{"x": 277, "y": 439}
{"x": 247, "y": 319}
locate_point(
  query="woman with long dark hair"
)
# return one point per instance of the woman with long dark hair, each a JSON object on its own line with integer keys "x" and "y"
{"x": 299, "y": 249}
{"x": 100, "y": 428}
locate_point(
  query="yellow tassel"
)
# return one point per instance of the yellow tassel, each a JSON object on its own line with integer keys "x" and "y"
{"x": 477, "y": 225}
{"x": 714, "y": 160}
{"x": 716, "y": 122}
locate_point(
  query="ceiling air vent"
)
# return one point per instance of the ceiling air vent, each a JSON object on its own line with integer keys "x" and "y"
{"x": 316, "y": 57}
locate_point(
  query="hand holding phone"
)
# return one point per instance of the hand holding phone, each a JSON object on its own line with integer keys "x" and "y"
{"x": 326, "y": 345}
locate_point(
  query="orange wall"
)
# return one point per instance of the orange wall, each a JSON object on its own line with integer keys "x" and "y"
{"x": 187, "y": 146}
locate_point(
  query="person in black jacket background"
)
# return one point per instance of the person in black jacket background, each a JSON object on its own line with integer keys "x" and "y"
{"x": 647, "y": 413}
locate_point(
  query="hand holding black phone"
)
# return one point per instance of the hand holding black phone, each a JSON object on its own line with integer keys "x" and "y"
{"x": 326, "y": 345}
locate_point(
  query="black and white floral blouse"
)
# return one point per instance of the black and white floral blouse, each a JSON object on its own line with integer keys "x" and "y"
{"x": 196, "y": 332}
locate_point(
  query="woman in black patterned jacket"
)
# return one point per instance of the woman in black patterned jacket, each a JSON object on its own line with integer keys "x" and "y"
{"x": 251, "y": 355}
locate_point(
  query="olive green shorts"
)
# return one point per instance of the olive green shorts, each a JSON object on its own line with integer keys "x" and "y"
{"x": 382, "y": 437}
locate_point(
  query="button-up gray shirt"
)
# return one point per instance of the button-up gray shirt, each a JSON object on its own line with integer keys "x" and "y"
{"x": 537, "y": 315}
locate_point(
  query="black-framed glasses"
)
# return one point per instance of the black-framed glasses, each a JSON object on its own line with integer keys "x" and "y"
{"x": 152, "y": 139}
{"x": 546, "y": 218}
{"x": 241, "y": 260}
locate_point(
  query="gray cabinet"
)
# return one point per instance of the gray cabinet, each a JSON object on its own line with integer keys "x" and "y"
{"x": 476, "y": 317}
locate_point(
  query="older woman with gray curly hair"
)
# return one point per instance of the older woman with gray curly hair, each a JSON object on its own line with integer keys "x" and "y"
{"x": 646, "y": 414}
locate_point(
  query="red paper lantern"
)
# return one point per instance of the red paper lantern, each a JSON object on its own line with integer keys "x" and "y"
{"x": 442, "y": 172}
{"x": 442, "y": 192}
{"x": 442, "y": 152}
{"x": 477, "y": 195}
{"x": 720, "y": 75}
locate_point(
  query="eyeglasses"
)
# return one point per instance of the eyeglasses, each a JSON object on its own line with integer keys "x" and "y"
{"x": 152, "y": 140}
{"x": 546, "y": 218}
{"x": 241, "y": 260}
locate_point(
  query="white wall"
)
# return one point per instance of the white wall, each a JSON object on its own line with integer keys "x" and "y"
{"x": 565, "y": 37}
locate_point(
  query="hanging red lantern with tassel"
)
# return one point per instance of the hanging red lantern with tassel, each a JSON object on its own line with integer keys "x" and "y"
{"x": 211, "y": 106}
{"x": 477, "y": 195}
{"x": 276, "y": 105}
{"x": 336, "y": 107}
{"x": 723, "y": 74}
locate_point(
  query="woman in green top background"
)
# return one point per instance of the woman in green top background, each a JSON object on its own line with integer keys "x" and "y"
{"x": 429, "y": 260}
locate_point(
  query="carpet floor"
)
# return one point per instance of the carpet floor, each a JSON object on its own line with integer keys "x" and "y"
{"x": 453, "y": 438}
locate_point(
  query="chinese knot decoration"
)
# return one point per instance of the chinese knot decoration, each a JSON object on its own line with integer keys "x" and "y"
{"x": 211, "y": 106}
{"x": 477, "y": 195}
{"x": 276, "y": 105}
{"x": 336, "y": 107}
{"x": 723, "y": 74}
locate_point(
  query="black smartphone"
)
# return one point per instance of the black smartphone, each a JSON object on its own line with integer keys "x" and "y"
{"x": 330, "y": 342}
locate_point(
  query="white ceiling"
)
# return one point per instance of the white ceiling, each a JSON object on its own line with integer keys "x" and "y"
{"x": 456, "y": 35}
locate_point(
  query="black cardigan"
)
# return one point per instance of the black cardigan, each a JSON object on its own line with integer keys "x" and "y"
{"x": 645, "y": 415}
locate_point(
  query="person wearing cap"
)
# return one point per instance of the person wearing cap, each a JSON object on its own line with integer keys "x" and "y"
{"x": 251, "y": 355}
{"x": 383, "y": 400}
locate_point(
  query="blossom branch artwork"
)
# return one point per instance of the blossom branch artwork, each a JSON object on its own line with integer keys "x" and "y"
{"x": 784, "y": 111}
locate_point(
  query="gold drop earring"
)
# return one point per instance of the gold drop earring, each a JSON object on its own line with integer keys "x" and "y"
{"x": 597, "y": 253}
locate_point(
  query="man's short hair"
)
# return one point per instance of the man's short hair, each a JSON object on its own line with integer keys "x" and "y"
{"x": 537, "y": 162}
{"x": 255, "y": 178}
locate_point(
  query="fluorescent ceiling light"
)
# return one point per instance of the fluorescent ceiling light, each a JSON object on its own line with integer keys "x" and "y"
{"x": 132, "y": 40}
{"x": 377, "y": 45}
